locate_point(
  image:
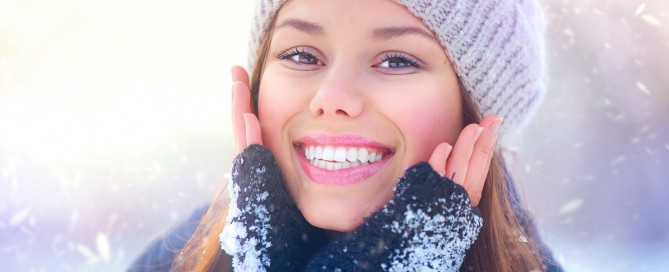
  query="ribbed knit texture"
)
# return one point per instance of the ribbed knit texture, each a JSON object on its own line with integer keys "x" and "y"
{"x": 496, "y": 47}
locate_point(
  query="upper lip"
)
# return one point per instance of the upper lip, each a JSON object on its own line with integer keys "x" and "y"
{"x": 349, "y": 140}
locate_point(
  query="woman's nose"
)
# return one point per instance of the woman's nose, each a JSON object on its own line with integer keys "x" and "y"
{"x": 338, "y": 95}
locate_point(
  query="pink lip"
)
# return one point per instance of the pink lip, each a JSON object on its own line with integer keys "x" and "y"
{"x": 343, "y": 140}
{"x": 346, "y": 176}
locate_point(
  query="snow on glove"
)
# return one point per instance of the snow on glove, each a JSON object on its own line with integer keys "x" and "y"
{"x": 428, "y": 226}
{"x": 264, "y": 230}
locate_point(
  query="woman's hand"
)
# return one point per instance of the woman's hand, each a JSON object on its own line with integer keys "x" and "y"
{"x": 245, "y": 124}
{"x": 468, "y": 162}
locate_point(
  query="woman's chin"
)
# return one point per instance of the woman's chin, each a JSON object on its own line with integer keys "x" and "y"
{"x": 334, "y": 220}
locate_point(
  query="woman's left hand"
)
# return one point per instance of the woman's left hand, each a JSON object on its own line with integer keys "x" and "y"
{"x": 468, "y": 162}
{"x": 245, "y": 124}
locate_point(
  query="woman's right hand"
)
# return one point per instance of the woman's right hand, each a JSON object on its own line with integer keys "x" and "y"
{"x": 245, "y": 125}
{"x": 468, "y": 162}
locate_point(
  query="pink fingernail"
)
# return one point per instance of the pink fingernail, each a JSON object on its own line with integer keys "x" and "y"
{"x": 246, "y": 118}
{"x": 448, "y": 150}
{"x": 494, "y": 126}
{"x": 478, "y": 133}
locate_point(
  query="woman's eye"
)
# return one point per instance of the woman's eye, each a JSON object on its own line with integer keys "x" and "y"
{"x": 398, "y": 63}
{"x": 300, "y": 56}
{"x": 305, "y": 59}
{"x": 394, "y": 63}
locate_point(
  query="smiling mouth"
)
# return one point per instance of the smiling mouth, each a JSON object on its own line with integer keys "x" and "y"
{"x": 336, "y": 158}
{"x": 342, "y": 159}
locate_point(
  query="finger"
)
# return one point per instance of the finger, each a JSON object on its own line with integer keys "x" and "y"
{"x": 479, "y": 163}
{"x": 239, "y": 74}
{"x": 439, "y": 157}
{"x": 252, "y": 129}
{"x": 240, "y": 105}
{"x": 456, "y": 166}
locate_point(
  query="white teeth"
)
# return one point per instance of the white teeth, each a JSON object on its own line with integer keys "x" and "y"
{"x": 340, "y": 154}
{"x": 312, "y": 152}
{"x": 372, "y": 157}
{"x": 331, "y": 158}
{"x": 328, "y": 153}
{"x": 352, "y": 154}
{"x": 363, "y": 156}
{"x": 319, "y": 152}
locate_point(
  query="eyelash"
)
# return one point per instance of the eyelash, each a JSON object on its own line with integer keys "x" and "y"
{"x": 295, "y": 52}
{"x": 396, "y": 56}
{"x": 401, "y": 58}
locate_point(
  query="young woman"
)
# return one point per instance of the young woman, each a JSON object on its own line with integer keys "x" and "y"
{"x": 369, "y": 150}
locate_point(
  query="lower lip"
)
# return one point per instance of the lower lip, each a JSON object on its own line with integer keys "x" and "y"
{"x": 346, "y": 176}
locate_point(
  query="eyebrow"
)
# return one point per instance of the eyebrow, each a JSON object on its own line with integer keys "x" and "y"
{"x": 387, "y": 33}
{"x": 304, "y": 26}
{"x": 384, "y": 33}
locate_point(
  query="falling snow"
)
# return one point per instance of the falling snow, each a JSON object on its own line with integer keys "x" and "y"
{"x": 19, "y": 216}
{"x": 102, "y": 244}
{"x": 617, "y": 160}
{"x": 639, "y": 10}
{"x": 571, "y": 206}
{"x": 650, "y": 19}
{"x": 642, "y": 88}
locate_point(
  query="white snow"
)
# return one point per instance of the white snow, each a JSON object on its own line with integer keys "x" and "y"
{"x": 19, "y": 216}
{"x": 437, "y": 247}
{"x": 102, "y": 244}
{"x": 247, "y": 245}
{"x": 650, "y": 19}
{"x": 642, "y": 88}
{"x": 618, "y": 160}
{"x": 571, "y": 206}
{"x": 640, "y": 9}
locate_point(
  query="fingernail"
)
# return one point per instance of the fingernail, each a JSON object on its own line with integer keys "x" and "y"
{"x": 497, "y": 123}
{"x": 246, "y": 119}
{"x": 235, "y": 87}
{"x": 478, "y": 133}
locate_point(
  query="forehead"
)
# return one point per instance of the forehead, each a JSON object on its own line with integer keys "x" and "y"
{"x": 350, "y": 15}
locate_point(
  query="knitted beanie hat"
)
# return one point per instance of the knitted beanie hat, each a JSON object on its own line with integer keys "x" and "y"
{"x": 495, "y": 46}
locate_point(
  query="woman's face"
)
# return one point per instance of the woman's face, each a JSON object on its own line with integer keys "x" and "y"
{"x": 353, "y": 93}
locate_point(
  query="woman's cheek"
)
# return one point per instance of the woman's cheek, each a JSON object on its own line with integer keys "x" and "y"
{"x": 278, "y": 100}
{"x": 428, "y": 125}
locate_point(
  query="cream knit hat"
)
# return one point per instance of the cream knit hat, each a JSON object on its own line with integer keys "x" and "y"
{"x": 496, "y": 47}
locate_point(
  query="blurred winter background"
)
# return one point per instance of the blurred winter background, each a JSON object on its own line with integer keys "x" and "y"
{"x": 114, "y": 125}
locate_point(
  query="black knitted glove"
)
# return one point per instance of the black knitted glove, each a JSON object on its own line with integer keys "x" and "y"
{"x": 427, "y": 227}
{"x": 264, "y": 230}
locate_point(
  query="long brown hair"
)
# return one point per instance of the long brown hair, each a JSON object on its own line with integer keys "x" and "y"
{"x": 505, "y": 242}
